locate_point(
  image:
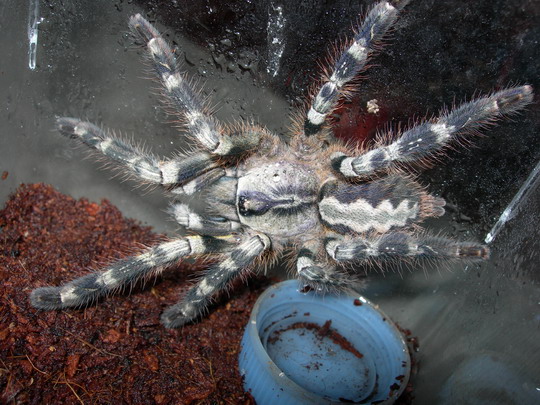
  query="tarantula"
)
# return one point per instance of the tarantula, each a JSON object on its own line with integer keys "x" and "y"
{"x": 328, "y": 203}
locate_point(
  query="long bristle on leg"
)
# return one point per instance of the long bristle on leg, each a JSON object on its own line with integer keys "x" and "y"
{"x": 87, "y": 289}
{"x": 142, "y": 166}
{"x": 426, "y": 140}
{"x": 203, "y": 127}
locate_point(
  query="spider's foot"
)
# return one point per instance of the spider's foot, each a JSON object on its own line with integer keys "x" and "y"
{"x": 178, "y": 315}
{"x": 513, "y": 99}
{"x": 323, "y": 280}
{"x": 67, "y": 126}
{"x": 473, "y": 251}
{"x": 47, "y": 298}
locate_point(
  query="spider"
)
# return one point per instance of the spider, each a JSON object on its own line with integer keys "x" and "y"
{"x": 329, "y": 204}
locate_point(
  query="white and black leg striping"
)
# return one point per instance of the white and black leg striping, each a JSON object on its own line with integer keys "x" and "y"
{"x": 400, "y": 245}
{"x": 350, "y": 63}
{"x": 85, "y": 290}
{"x": 203, "y": 127}
{"x": 143, "y": 166}
{"x": 216, "y": 278}
{"x": 202, "y": 224}
{"x": 185, "y": 168}
{"x": 320, "y": 275}
{"x": 199, "y": 183}
{"x": 428, "y": 139}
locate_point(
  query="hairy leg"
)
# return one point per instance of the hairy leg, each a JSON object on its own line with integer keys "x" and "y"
{"x": 314, "y": 270}
{"x": 380, "y": 18}
{"x": 139, "y": 164}
{"x": 427, "y": 139}
{"x": 200, "y": 124}
{"x": 216, "y": 279}
{"x": 402, "y": 245}
{"x": 85, "y": 290}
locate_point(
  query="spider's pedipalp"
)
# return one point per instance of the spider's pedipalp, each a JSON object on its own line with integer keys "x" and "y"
{"x": 216, "y": 278}
{"x": 402, "y": 245}
{"x": 320, "y": 274}
{"x": 381, "y": 17}
{"x": 427, "y": 139}
{"x": 86, "y": 289}
{"x": 204, "y": 225}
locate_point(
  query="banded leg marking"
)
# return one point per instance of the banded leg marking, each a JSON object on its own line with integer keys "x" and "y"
{"x": 216, "y": 279}
{"x": 143, "y": 166}
{"x": 182, "y": 169}
{"x": 400, "y": 245}
{"x": 86, "y": 289}
{"x": 425, "y": 140}
{"x": 204, "y": 128}
{"x": 381, "y": 17}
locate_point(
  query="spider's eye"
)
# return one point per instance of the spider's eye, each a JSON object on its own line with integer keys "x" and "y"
{"x": 243, "y": 204}
{"x": 254, "y": 204}
{"x": 248, "y": 207}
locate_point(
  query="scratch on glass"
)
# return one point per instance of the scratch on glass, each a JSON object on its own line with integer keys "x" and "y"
{"x": 33, "y": 22}
{"x": 514, "y": 206}
{"x": 275, "y": 38}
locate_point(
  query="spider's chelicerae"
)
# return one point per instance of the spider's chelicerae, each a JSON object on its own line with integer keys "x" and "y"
{"x": 330, "y": 204}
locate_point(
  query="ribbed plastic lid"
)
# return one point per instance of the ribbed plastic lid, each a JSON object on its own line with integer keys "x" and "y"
{"x": 307, "y": 348}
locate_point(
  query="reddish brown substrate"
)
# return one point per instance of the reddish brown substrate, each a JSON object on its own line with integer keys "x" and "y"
{"x": 115, "y": 352}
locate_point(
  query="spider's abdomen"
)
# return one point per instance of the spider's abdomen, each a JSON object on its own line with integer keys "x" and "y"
{"x": 278, "y": 199}
{"x": 380, "y": 205}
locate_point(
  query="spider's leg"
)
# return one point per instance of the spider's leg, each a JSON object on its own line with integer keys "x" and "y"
{"x": 216, "y": 279}
{"x": 400, "y": 245}
{"x": 318, "y": 273}
{"x": 427, "y": 139}
{"x": 199, "y": 183}
{"x": 143, "y": 166}
{"x": 189, "y": 219}
{"x": 85, "y": 290}
{"x": 201, "y": 125}
{"x": 381, "y": 17}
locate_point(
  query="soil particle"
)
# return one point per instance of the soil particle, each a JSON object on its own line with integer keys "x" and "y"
{"x": 116, "y": 351}
{"x": 321, "y": 332}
